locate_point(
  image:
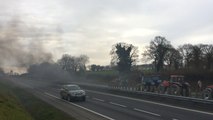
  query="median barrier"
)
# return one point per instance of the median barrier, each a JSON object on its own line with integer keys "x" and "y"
{"x": 206, "y": 105}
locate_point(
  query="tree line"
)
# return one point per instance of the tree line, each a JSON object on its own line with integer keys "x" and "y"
{"x": 163, "y": 55}
{"x": 65, "y": 66}
{"x": 160, "y": 53}
{"x": 73, "y": 64}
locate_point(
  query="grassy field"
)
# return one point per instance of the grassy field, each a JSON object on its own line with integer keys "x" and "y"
{"x": 17, "y": 104}
{"x": 104, "y": 76}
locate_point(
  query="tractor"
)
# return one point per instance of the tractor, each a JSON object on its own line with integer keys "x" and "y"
{"x": 176, "y": 86}
{"x": 208, "y": 93}
{"x": 150, "y": 83}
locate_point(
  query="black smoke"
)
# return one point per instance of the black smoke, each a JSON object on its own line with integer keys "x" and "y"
{"x": 48, "y": 72}
{"x": 21, "y": 45}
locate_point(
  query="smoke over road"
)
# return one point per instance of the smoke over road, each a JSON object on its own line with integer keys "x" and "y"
{"x": 21, "y": 45}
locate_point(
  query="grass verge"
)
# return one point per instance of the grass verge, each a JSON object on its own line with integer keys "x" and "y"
{"x": 10, "y": 107}
{"x": 18, "y": 104}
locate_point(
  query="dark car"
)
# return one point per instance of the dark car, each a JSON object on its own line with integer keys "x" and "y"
{"x": 72, "y": 92}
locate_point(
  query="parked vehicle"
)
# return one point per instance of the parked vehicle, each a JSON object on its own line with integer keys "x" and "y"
{"x": 72, "y": 92}
{"x": 208, "y": 93}
{"x": 176, "y": 86}
{"x": 151, "y": 83}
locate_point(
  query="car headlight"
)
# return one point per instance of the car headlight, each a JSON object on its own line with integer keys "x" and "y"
{"x": 83, "y": 93}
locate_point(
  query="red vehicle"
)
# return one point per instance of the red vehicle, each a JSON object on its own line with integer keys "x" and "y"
{"x": 176, "y": 86}
{"x": 208, "y": 93}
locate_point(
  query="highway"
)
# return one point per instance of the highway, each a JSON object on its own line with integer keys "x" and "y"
{"x": 116, "y": 107}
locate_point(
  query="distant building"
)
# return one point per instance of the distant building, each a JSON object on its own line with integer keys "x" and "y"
{"x": 146, "y": 67}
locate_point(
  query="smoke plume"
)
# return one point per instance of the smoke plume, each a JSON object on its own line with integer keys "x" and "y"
{"x": 21, "y": 45}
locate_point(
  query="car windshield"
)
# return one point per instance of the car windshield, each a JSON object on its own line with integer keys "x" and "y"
{"x": 73, "y": 87}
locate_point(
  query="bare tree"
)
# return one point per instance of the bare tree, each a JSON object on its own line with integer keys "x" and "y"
{"x": 197, "y": 55}
{"x": 73, "y": 64}
{"x": 208, "y": 56}
{"x": 81, "y": 62}
{"x": 173, "y": 59}
{"x": 186, "y": 53}
{"x": 67, "y": 63}
{"x": 157, "y": 51}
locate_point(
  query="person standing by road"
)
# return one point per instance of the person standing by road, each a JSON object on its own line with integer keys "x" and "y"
{"x": 199, "y": 87}
{"x": 165, "y": 85}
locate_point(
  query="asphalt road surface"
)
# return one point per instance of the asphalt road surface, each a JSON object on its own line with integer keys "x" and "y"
{"x": 115, "y": 107}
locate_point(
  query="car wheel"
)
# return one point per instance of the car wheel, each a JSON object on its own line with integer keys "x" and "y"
{"x": 207, "y": 94}
{"x": 175, "y": 90}
{"x": 69, "y": 98}
{"x": 84, "y": 98}
{"x": 62, "y": 97}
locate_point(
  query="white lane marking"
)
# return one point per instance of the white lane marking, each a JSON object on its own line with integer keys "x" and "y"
{"x": 104, "y": 116}
{"x": 156, "y": 103}
{"x": 117, "y": 104}
{"x": 98, "y": 99}
{"x": 143, "y": 111}
{"x": 174, "y": 119}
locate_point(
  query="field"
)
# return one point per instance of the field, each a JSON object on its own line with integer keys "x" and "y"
{"x": 102, "y": 76}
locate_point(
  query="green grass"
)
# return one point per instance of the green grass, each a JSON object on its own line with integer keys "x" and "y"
{"x": 10, "y": 107}
{"x": 102, "y": 75}
{"x": 18, "y": 104}
{"x": 39, "y": 109}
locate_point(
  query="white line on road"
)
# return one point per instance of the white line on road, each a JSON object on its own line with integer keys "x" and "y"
{"x": 156, "y": 103}
{"x": 117, "y": 104}
{"x": 174, "y": 119}
{"x": 104, "y": 116}
{"x": 143, "y": 111}
{"x": 98, "y": 99}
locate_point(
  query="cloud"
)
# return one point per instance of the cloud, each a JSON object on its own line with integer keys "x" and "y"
{"x": 92, "y": 26}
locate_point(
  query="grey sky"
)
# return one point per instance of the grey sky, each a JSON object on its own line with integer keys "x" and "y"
{"x": 91, "y": 27}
